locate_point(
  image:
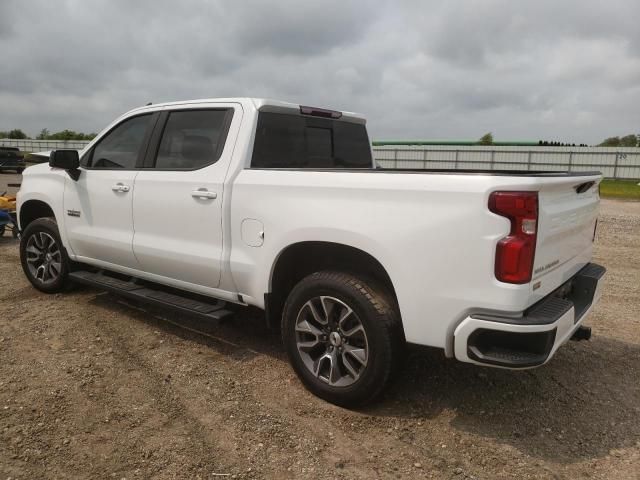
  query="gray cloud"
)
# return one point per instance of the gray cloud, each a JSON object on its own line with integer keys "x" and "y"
{"x": 298, "y": 28}
{"x": 448, "y": 69}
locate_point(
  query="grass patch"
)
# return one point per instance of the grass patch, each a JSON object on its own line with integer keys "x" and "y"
{"x": 628, "y": 189}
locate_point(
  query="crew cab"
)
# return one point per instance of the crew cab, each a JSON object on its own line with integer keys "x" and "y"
{"x": 281, "y": 207}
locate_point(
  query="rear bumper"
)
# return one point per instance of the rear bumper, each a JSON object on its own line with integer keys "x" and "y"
{"x": 530, "y": 340}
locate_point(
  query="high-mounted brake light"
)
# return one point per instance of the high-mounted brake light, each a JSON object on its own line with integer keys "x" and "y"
{"x": 320, "y": 112}
{"x": 515, "y": 253}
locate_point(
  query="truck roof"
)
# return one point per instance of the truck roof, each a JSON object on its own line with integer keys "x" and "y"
{"x": 257, "y": 103}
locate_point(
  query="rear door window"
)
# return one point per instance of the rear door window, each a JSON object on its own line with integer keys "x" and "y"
{"x": 296, "y": 141}
{"x": 193, "y": 139}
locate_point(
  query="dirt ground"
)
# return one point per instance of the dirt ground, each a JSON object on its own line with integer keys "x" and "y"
{"x": 93, "y": 387}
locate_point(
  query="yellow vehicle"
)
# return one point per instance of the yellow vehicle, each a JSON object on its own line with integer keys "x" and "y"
{"x": 8, "y": 215}
{"x": 7, "y": 202}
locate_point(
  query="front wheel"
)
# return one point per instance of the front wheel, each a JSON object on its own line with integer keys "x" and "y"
{"x": 42, "y": 255}
{"x": 343, "y": 337}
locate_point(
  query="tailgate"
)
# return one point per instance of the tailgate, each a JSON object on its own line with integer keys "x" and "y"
{"x": 568, "y": 208}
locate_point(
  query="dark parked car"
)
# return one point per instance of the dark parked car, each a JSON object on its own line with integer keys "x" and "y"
{"x": 11, "y": 158}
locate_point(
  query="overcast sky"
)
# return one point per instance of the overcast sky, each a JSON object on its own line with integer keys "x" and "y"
{"x": 551, "y": 69}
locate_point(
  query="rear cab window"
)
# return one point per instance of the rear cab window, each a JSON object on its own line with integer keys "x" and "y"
{"x": 11, "y": 152}
{"x": 286, "y": 140}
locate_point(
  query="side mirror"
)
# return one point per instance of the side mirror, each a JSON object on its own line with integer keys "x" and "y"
{"x": 68, "y": 160}
{"x": 65, "y": 159}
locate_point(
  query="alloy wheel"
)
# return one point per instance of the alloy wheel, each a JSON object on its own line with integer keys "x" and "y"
{"x": 44, "y": 258}
{"x": 331, "y": 341}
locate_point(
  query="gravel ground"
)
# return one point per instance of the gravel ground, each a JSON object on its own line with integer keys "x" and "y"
{"x": 93, "y": 387}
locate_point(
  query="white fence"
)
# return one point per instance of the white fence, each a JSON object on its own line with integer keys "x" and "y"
{"x": 42, "y": 145}
{"x": 613, "y": 162}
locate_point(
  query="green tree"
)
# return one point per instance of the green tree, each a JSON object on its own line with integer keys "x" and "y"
{"x": 628, "y": 141}
{"x": 16, "y": 133}
{"x": 43, "y": 135}
{"x": 486, "y": 139}
{"x": 4, "y": 134}
{"x": 64, "y": 135}
{"x": 70, "y": 135}
{"x": 611, "y": 142}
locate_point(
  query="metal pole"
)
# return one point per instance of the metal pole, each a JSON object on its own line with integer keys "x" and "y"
{"x": 570, "y": 160}
{"x": 615, "y": 167}
{"x": 395, "y": 158}
{"x": 424, "y": 159}
{"x": 529, "y": 161}
{"x": 456, "y": 160}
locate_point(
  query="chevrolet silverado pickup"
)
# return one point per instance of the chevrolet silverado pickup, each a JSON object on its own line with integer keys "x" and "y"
{"x": 198, "y": 205}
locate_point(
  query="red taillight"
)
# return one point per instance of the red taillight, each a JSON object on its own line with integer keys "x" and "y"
{"x": 515, "y": 253}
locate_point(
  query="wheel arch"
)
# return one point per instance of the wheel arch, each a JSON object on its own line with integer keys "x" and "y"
{"x": 303, "y": 258}
{"x": 33, "y": 209}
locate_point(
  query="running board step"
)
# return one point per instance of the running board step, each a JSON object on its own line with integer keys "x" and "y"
{"x": 212, "y": 311}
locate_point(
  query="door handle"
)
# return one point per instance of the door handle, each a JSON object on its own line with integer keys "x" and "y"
{"x": 204, "y": 193}
{"x": 120, "y": 187}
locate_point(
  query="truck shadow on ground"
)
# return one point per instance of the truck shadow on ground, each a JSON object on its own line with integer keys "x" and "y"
{"x": 584, "y": 404}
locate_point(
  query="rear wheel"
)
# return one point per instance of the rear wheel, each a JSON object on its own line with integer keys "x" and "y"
{"x": 42, "y": 255}
{"x": 343, "y": 337}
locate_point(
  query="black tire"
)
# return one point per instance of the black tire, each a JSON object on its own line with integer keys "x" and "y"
{"x": 2, "y": 229}
{"x": 45, "y": 226}
{"x": 380, "y": 323}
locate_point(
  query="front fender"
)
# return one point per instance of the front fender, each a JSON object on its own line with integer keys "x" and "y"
{"x": 44, "y": 184}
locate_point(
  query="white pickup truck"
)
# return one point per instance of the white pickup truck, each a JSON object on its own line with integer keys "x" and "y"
{"x": 197, "y": 204}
